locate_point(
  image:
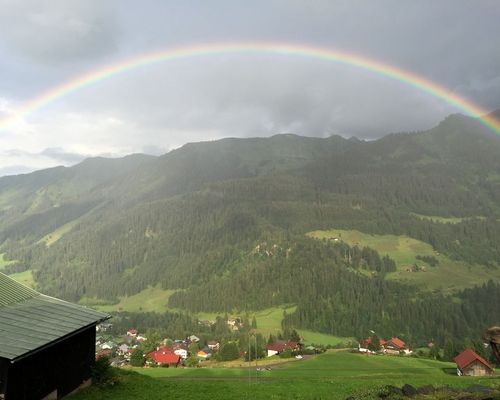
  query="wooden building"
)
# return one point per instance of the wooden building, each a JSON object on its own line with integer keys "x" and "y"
{"x": 471, "y": 364}
{"x": 47, "y": 345}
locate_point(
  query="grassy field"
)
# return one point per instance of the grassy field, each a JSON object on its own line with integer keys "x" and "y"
{"x": 324, "y": 339}
{"x": 53, "y": 237}
{"x": 447, "y": 275}
{"x": 149, "y": 299}
{"x": 269, "y": 322}
{"x": 156, "y": 299}
{"x": 333, "y": 375}
{"x": 26, "y": 278}
{"x": 3, "y": 261}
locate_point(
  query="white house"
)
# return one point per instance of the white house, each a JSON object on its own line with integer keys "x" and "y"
{"x": 194, "y": 339}
{"x": 182, "y": 353}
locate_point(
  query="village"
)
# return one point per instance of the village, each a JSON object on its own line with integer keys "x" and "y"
{"x": 136, "y": 349}
{"x": 133, "y": 349}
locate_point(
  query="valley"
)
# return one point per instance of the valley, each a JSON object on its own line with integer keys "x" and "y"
{"x": 330, "y": 237}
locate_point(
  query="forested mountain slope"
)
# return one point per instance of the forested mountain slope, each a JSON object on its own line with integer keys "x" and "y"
{"x": 192, "y": 219}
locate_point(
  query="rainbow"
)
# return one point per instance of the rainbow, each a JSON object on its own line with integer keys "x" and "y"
{"x": 278, "y": 49}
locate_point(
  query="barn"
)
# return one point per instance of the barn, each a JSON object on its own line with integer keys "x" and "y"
{"x": 471, "y": 364}
{"x": 47, "y": 345}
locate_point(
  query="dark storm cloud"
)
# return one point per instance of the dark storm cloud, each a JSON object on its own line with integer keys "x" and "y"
{"x": 157, "y": 107}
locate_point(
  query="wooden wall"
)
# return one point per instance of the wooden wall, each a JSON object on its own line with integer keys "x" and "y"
{"x": 63, "y": 367}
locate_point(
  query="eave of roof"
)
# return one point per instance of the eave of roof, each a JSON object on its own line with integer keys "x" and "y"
{"x": 30, "y": 321}
{"x": 467, "y": 357}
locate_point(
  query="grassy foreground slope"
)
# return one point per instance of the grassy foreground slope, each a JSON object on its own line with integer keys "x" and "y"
{"x": 334, "y": 375}
{"x": 447, "y": 275}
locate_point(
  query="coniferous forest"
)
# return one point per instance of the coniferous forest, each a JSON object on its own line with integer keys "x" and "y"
{"x": 224, "y": 224}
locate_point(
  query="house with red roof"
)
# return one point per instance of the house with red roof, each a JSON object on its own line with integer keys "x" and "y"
{"x": 165, "y": 356}
{"x": 395, "y": 346}
{"x": 470, "y": 363}
{"x": 391, "y": 346}
{"x": 280, "y": 346}
{"x": 364, "y": 344}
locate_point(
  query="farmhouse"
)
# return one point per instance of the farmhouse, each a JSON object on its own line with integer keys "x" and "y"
{"x": 363, "y": 346}
{"x": 471, "y": 364}
{"x": 280, "y": 346}
{"x": 47, "y": 345}
{"x": 391, "y": 346}
{"x": 395, "y": 346}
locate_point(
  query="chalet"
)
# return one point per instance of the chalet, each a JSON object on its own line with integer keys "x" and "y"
{"x": 363, "y": 346}
{"x": 395, "y": 346}
{"x": 471, "y": 364}
{"x": 181, "y": 350}
{"x": 280, "y": 346}
{"x": 47, "y": 345}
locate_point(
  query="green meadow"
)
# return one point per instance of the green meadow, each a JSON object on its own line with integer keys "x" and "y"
{"x": 3, "y": 261}
{"x": 448, "y": 275}
{"x": 269, "y": 322}
{"x": 54, "y": 236}
{"x": 333, "y": 375}
{"x": 151, "y": 299}
{"x": 26, "y": 278}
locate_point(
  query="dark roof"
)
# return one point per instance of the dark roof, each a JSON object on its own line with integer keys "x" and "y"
{"x": 30, "y": 320}
{"x": 468, "y": 356}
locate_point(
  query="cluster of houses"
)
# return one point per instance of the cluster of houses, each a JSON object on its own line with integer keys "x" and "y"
{"x": 469, "y": 363}
{"x": 392, "y": 346}
{"x": 119, "y": 352}
{"x": 171, "y": 353}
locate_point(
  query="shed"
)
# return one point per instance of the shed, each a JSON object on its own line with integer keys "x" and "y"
{"x": 472, "y": 364}
{"x": 47, "y": 345}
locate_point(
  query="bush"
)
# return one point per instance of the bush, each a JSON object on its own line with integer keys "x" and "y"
{"x": 102, "y": 373}
{"x": 286, "y": 354}
{"x": 229, "y": 351}
{"x": 137, "y": 358}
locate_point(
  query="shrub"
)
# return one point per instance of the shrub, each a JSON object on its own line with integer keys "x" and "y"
{"x": 102, "y": 373}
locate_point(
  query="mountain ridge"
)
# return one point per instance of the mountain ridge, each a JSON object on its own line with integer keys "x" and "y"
{"x": 189, "y": 220}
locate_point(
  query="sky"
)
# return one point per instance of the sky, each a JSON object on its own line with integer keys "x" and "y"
{"x": 159, "y": 107}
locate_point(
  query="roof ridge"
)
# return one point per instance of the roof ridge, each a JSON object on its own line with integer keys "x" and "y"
{"x": 12, "y": 292}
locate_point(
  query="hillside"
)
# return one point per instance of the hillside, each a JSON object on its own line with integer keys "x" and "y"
{"x": 222, "y": 225}
{"x": 336, "y": 375}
